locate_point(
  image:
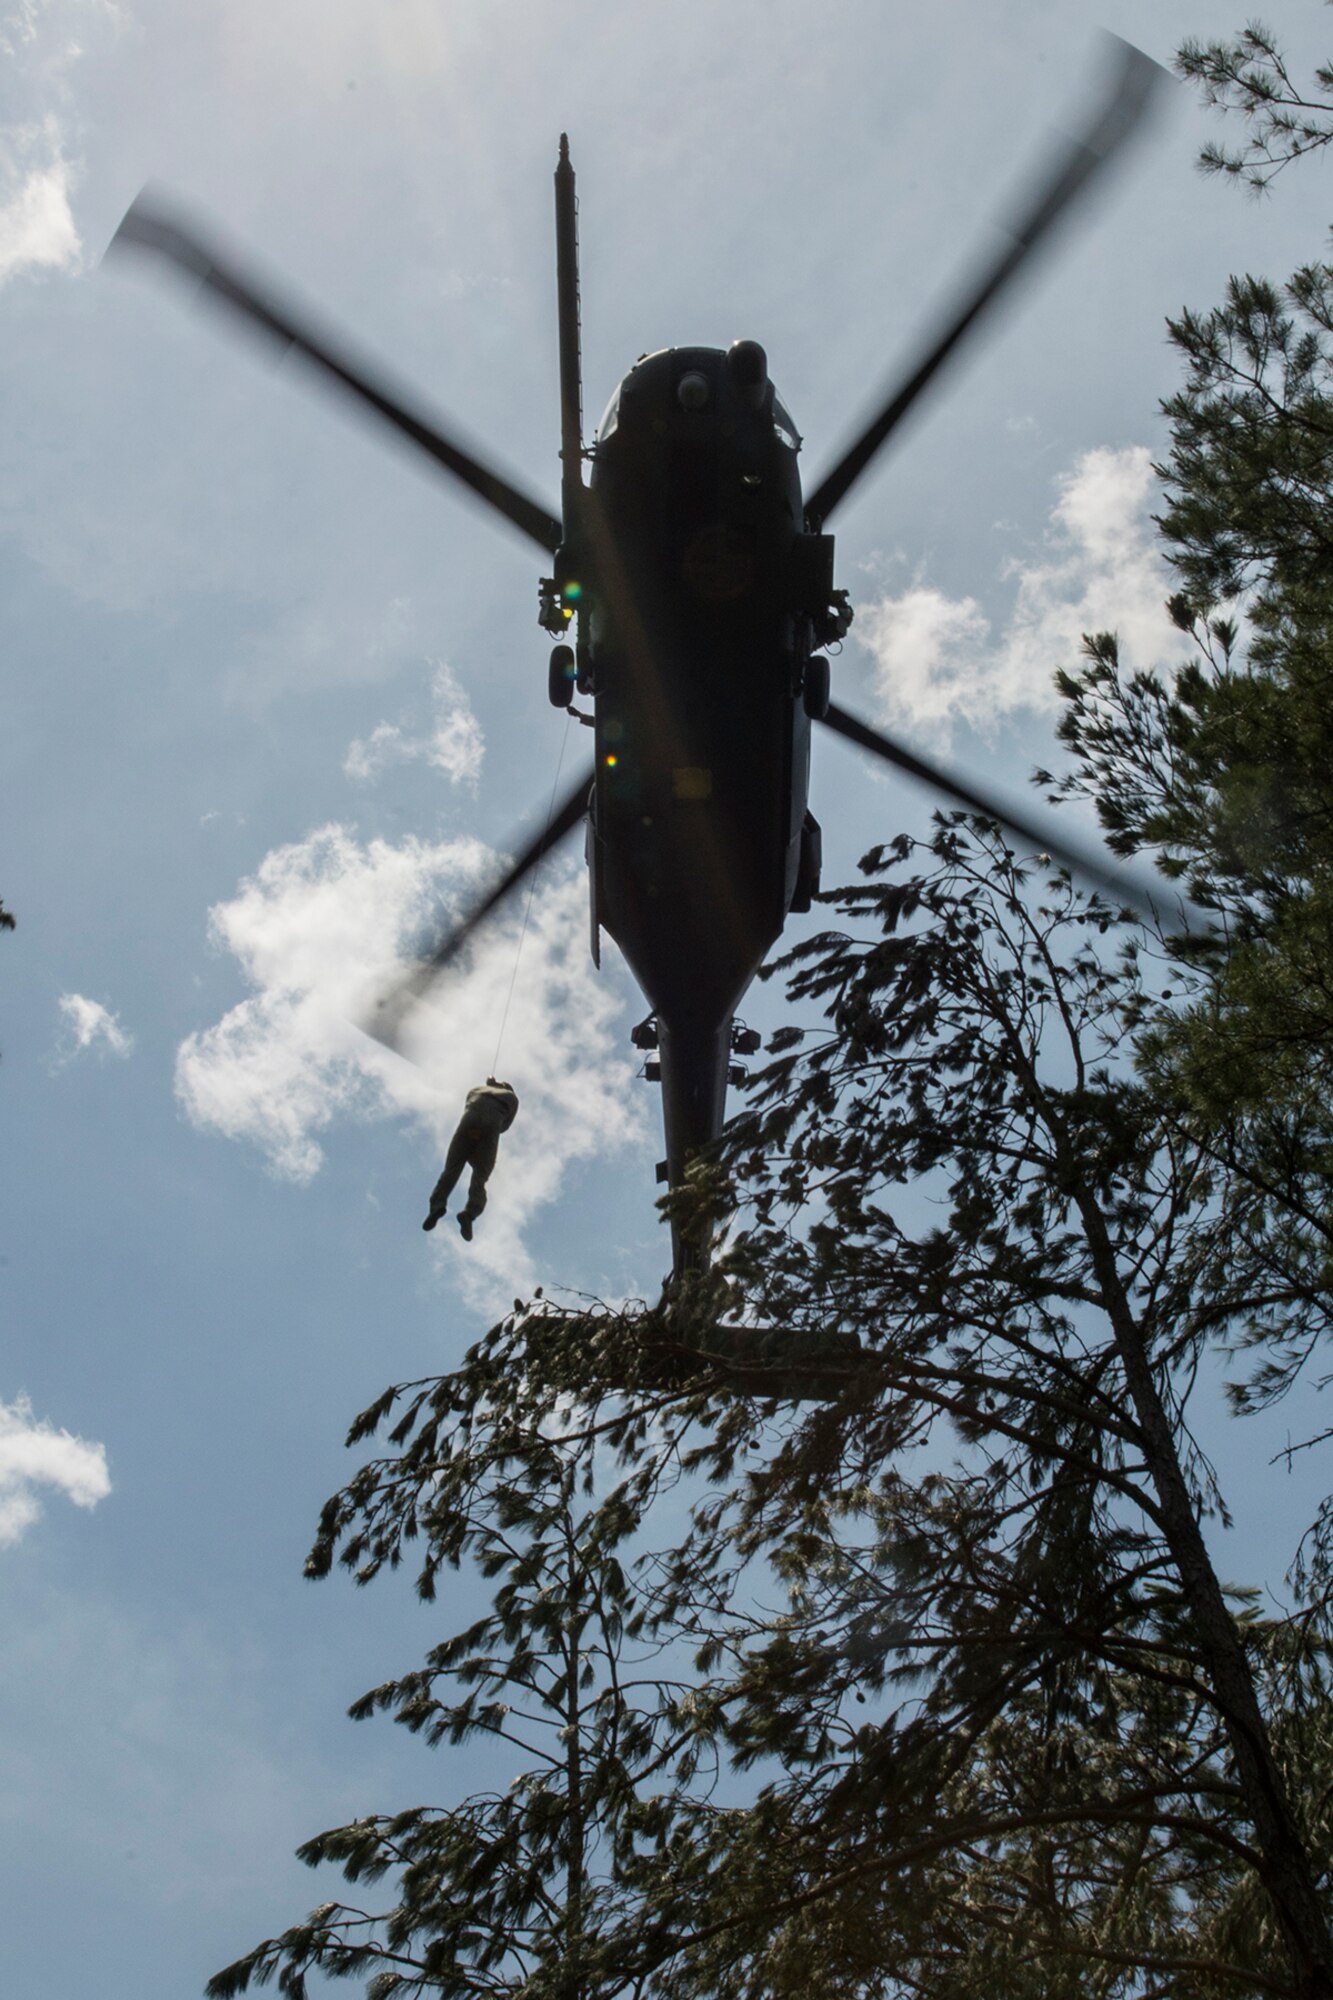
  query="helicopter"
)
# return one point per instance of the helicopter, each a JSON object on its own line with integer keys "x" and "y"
{"x": 691, "y": 599}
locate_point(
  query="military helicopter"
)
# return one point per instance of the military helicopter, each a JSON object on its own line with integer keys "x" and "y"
{"x": 696, "y": 583}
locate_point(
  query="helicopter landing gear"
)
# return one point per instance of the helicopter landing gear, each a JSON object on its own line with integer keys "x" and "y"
{"x": 644, "y": 1036}
{"x": 560, "y": 676}
{"x": 744, "y": 1042}
{"x": 815, "y": 688}
{"x": 810, "y": 864}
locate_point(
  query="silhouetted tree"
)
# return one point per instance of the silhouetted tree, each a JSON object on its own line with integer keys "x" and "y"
{"x": 1225, "y": 769}
{"x": 1009, "y": 1221}
{"x": 524, "y": 1889}
{"x": 985, "y": 1718}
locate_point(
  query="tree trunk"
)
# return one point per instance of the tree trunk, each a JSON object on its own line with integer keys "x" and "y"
{"x": 1288, "y": 1874}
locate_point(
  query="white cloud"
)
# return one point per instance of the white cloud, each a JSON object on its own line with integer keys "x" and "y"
{"x": 321, "y": 930}
{"x": 33, "y": 1453}
{"x": 1099, "y": 569}
{"x": 46, "y": 36}
{"x": 454, "y": 743}
{"x": 922, "y": 642}
{"x": 37, "y": 229}
{"x": 89, "y": 1022}
{"x": 368, "y": 755}
{"x": 40, "y": 42}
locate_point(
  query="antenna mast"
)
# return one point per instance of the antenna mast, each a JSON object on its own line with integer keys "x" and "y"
{"x": 571, "y": 370}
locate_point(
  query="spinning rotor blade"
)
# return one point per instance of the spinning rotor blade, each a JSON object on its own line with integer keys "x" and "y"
{"x": 148, "y": 227}
{"x": 1073, "y": 856}
{"x": 1079, "y": 161}
{"x": 390, "y": 1012}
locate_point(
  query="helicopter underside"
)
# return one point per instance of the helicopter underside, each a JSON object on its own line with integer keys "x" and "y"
{"x": 700, "y": 581}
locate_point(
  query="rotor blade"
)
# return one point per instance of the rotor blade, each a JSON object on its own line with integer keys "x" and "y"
{"x": 1074, "y": 856}
{"x": 1078, "y": 162}
{"x": 392, "y": 1010}
{"x": 147, "y": 226}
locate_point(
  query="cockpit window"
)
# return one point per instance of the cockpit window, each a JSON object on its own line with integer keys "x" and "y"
{"x": 610, "y": 417}
{"x": 785, "y": 428}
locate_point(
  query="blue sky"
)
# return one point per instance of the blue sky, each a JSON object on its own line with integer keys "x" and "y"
{"x": 272, "y": 697}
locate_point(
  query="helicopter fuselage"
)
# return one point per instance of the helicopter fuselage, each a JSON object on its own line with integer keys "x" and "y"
{"x": 697, "y": 583}
{"x": 704, "y": 600}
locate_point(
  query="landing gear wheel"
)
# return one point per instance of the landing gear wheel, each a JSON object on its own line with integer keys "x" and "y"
{"x": 810, "y": 864}
{"x": 815, "y": 688}
{"x": 560, "y": 676}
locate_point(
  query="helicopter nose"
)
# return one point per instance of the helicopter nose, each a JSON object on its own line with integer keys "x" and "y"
{"x": 749, "y": 370}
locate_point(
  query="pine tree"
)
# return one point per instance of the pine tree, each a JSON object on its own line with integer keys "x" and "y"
{"x": 1225, "y": 769}
{"x": 1049, "y": 1311}
{"x": 520, "y": 1889}
{"x": 1250, "y": 76}
{"x": 940, "y": 1692}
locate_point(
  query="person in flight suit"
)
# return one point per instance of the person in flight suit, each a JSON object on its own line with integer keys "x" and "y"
{"x": 490, "y": 1110}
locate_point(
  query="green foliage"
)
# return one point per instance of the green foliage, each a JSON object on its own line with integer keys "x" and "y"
{"x": 1249, "y": 77}
{"x": 911, "y": 1691}
{"x": 1248, "y": 478}
{"x": 1226, "y": 770}
{"x": 511, "y": 1891}
{"x": 1051, "y": 1595}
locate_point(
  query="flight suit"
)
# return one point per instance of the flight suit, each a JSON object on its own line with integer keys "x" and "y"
{"x": 490, "y": 1110}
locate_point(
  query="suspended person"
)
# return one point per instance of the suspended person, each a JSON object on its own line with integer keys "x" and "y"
{"x": 490, "y": 1110}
